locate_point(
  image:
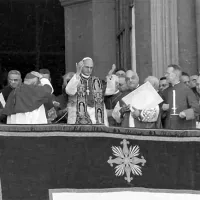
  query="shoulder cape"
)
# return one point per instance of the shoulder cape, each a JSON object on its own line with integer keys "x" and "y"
{"x": 26, "y": 98}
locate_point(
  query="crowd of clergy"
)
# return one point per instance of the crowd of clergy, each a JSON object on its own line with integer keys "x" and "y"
{"x": 87, "y": 99}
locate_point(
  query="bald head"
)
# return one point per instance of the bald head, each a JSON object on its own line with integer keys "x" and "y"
{"x": 132, "y": 79}
{"x": 88, "y": 66}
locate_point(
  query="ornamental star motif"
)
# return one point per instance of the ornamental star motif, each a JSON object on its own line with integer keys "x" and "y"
{"x": 127, "y": 160}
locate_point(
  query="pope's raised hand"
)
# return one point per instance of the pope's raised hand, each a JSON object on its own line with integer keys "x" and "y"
{"x": 79, "y": 67}
{"x": 112, "y": 70}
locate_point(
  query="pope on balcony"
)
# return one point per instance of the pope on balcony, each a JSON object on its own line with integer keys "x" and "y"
{"x": 89, "y": 92}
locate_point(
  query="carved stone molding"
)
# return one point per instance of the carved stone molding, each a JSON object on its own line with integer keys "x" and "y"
{"x": 164, "y": 35}
{"x": 198, "y": 30}
{"x": 72, "y": 2}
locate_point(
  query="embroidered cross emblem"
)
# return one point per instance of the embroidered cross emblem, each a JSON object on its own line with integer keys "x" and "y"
{"x": 127, "y": 160}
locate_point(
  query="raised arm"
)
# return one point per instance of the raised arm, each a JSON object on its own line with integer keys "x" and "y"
{"x": 71, "y": 87}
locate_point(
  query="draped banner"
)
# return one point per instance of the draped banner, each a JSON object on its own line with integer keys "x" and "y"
{"x": 74, "y": 162}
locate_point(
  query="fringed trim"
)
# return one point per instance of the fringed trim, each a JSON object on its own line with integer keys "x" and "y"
{"x": 99, "y": 128}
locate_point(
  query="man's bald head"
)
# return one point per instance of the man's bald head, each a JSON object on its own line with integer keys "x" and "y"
{"x": 130, "y": 73}
{"x": 88, "y": 66}
{"x": 132, "y": 79}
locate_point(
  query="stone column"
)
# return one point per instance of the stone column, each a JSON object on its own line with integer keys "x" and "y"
{"x": 143, "y": 38}
{"x": 164, "y": 35}
{"x": 198, "y": 31}
{"x": 187, "y": 35}
{"x": 90, "y": 32}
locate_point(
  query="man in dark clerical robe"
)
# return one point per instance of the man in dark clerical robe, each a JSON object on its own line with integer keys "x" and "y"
{"x": 197, "y": 94}
{"x": 180, "y": 106}
{"x": 87, "y": 92}
{"x": 25, "y": 104}
{"x": 14, "y": 80}
{"x": 193, "y": 83}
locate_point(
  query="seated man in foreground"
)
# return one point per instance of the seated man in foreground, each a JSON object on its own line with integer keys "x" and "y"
{"x": 25, "y": 104}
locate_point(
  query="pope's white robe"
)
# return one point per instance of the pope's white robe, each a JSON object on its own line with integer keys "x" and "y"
{"x": 37, "y": 116}
{"x": 71, "y": 90}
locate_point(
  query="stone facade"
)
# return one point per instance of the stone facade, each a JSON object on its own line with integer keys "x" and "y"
{"x": 166, "y": 31}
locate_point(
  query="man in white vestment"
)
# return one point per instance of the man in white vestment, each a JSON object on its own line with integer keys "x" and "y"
{"x": 88, "y": 94}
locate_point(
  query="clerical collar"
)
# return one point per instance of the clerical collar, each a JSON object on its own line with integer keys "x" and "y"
{"x": 84, "y": 76}
{"x": 175, "y": 83}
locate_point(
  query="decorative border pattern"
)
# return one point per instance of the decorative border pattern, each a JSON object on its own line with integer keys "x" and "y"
{"x": 138, "y": 189}
{"x": 100, "y": 129}
{"x": 97, "y": 134}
